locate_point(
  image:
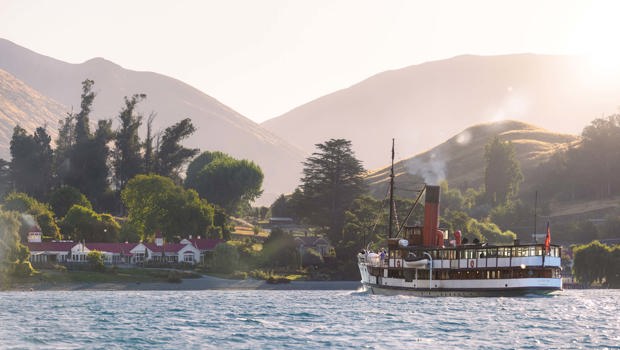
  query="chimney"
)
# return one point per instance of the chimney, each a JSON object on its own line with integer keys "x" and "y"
{"x": 431, "y": 216}
{"x": 34, "y": 236}
{"x": 159, "y": 239}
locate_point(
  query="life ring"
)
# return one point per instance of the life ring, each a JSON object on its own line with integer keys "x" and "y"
{"x": 472, "y": 263}
{"x": 397, "y": 263}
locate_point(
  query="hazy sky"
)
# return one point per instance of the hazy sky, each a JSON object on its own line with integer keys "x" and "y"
{"x": 263, "y": 58}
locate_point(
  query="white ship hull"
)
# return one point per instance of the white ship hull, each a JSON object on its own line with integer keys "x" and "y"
{"x": 387, "y": 277}
{"x": 510, "y": 287}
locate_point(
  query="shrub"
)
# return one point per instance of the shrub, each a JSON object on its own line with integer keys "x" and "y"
{"x": 95, "y": 261}
{"x": 240, "y": 275}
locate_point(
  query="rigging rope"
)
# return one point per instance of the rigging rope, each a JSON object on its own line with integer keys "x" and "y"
{"x": 380, "y": 211}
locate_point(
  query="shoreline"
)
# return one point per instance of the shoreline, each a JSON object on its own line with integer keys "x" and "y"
{"x": 202, "y": 283}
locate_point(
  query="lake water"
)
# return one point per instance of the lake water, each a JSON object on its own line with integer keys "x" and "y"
{"x": 305, "y": 320}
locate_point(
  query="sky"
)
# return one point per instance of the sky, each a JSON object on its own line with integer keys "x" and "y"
{"x": 264, "y": 58}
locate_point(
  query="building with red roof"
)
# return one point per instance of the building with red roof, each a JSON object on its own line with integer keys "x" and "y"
{"x": 187, "y": 251}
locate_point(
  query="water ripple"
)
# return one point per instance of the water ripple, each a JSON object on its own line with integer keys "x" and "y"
{"x": 305, "y": 319}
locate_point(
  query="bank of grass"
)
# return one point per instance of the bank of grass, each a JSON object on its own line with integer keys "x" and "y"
{"x": 259, "y": 274}
{"x": 62, "y": 277}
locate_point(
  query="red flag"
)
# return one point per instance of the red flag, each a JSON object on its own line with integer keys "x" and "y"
{"x": 548, "y": 239}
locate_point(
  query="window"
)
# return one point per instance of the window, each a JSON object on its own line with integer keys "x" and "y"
{"x": 188, "y": 257}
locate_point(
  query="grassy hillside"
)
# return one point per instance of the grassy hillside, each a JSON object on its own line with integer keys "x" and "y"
{"x": 460, "y": 159}
{"x": 20, "y": 104}
{"x": 423, "y": 105}
{"x": 219, "y": 127}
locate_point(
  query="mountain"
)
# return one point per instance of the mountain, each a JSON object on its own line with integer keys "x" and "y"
{"x": 20, "y": 104}
{"x": 423, "y": 104}
{"x": 218, "y": 126}
{"x": 460, "y": 159}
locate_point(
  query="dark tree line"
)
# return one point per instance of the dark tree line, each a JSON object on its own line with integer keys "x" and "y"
{"x": 84, "y": 159}
{"x": 588, "y": 169}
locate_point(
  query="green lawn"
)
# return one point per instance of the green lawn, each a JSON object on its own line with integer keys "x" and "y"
{"x": 129, "y": 275}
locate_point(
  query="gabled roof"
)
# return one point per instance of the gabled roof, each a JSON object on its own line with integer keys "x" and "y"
{"x": 167, "y": 247}
{"x": 205, "y": 243}
{"x": 117, "y": 248}
{"x": 50, "y": 246}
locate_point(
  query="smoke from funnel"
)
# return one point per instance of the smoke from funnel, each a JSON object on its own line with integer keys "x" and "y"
{"x": 433, "y": 169}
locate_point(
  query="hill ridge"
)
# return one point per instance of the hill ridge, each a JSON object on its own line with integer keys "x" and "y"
{"x": 219, "y": 127}
{"x": 459, "y": 159}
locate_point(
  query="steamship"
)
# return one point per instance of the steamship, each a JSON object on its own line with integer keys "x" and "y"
{"x": 422, "y": 261}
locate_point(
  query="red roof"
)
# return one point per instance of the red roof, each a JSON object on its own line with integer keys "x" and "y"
{"x": 167, "y": 247}
{"x": 205, "y": 244}
{"x": 50, "y": 246}
{"x": 118, "y": 248}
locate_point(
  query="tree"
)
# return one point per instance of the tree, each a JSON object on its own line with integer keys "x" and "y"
{"x": 65, "y": 139}
{"x": 223, "y": 180}
{"x": 63, "y": 198}
{"x": 502, "y": 174}
{"x": 95, "y": 260}
{"x": 31, "y": 162}
{"x": 489, "y": 232}
{"x": 128, "y": 161}
{"x": 601, "y": 145}
{"x": 590, "y": 262}
{"x": 149, "y": 151}
{"x": 6, "y": 181}
{"x": 171, "y": 156}
{"x": 13, "y": 255}
{"x": 451, "y": 198}
{"x": 225, "y": 258}
{"x": 155, "y": 203}
{"x": 332, "y": 179}
{"x": 82, "y": 119}
{"x": 34, "y": 213}
{"x": 280, "y": 250}
{"x": 613, "y": 268}
{"x": 82, "y": 223}
{"x": 279, "y": 207}
{"x": 86, "y": 167}
{"x": 365, "y": 222}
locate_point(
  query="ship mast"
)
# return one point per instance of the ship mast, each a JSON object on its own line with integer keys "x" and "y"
{"x": 391, "y": 194}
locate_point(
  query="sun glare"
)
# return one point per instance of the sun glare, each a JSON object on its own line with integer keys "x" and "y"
{"x": 596, "y": 39}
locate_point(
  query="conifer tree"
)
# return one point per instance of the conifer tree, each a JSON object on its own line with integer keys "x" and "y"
{"x": 332, "y": 179}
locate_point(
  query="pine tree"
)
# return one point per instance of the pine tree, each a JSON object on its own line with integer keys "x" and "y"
{"x": 332, "y": 179}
